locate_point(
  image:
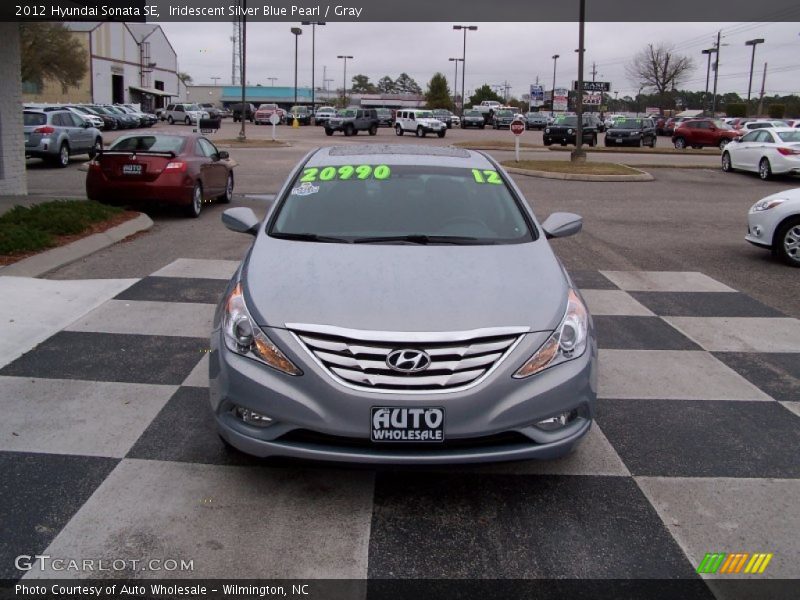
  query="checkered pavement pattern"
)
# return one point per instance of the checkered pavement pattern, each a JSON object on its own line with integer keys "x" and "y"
{"x": 108, "y": 450}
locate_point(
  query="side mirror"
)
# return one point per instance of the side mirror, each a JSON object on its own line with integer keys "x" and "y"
{"x": 241, "y": 220}
{"x": 223, "y": 155}
{"x": 562, "y": 224}
{"x": 86, "y": 124}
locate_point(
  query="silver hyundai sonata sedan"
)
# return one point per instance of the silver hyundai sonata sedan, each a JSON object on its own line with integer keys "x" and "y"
{"x": 401, "y": 304}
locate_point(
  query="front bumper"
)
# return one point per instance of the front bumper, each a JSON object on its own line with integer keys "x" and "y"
{"x": 314, "y": 417}
{"x": 623, "y": 140}
{"x": 760, "y": 229}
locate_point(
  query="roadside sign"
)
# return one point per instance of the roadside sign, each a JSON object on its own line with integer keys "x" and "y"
{"x": 275, "y": 119}
{"x": 592, "y": 98}
{"x": 560, "y": 99}
{"x": 517, "y": 127}
{"x": 593, "y": 86}
{"x": 537, "y": 95}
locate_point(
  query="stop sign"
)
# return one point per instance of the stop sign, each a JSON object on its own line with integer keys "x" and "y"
{"x": 517, "y": 127}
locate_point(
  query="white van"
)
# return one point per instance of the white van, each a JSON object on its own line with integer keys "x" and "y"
{"x": 419, "y": 122}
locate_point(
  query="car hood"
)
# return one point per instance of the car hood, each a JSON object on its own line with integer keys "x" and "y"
{"x": 390, "y": 287}
{"x": 435, "y": 122}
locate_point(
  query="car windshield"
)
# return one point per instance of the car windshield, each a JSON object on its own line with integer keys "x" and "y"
{"x": 114, "y": 110}
{"x": 788, "y": 136}
{"x": 99, "y": 110}
{"x": 82, "y": 110}
{"x": 566, "y": 121}
{"x": 721, "y": 124}
{"x": 474, "y": 113}
{"x": 346, "y": 113}
{"x": 32, "y": 118}
{"x": 401, "y": 204}
{"x": 191, "y": 107}
{"x": 533, "y": 114}
{"x": 628, "y": 124}
{"x": 384, "y": 112}
{"x": 299, "y": 109}
{"x": 505, "y": 113}
{"x": 149, "y": 143}
{"x": 424, "y": 114}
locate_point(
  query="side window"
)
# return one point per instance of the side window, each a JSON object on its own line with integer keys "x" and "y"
{"x": 179, "y": 108}
{"x": 205, "y": 148}
{"x": 750, "y": 137}
{"x": 171, "y": 107}
{"x": 76, "y": 120}
{"x": 62, "y": 120}
{"x": 763, "y": 136}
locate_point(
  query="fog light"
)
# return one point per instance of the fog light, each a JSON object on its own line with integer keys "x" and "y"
{"x": 558, "y": 421}
{"x": 251, "y": 417}
{"x": 757, "y": 230}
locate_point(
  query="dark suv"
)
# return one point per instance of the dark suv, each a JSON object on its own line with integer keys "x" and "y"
{"x": 632, "y": 132}
{"x": 249, "y": 112}
{"x": 352, "y": 120}
{"x": 564, "y": 129}
{"x": 703, "y": 132}
{"x": 385, "y": 117}
{"x": 503, "y": 118}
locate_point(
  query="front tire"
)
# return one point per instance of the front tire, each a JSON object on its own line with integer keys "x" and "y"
{"x": 373, "y": 130}
{"x": 420, "y": 132}
{"x": 723, "y": 142}
{"x": 96, "y": 148}
{"x": 348, "y": 131}
{"x": 764, "y": 169}
{"x": 328, "y": 132}
{"x": 171, "y": 121}
{"x": 787, "y": 242}
{"x": 727, "y": 165}
{"x": 196, "y": 206}
{"x": 227, "y": 196}
{"x": 680, "y": 143}
{"x": 187, "y": 121}
{"x": 398, "y": 130}
{"x": 441, "y": 133}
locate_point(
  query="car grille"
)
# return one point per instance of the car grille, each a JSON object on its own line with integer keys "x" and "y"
{"x": 454, "y": 365}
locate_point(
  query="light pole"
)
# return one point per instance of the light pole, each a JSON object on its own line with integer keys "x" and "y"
{"x": 578, "y": 154}
{"x": 242, "y": 65}
{"x": 344, "y": 80}
{"x": 216, "y": 79}
{"x": 297, "y": 32}
{"x": 752, "y": 43}
{"x": 716, "y": 74}
{"x": 465, "y": 28}
{"x": 272, "y": 81}
{"x": 709, "y": 52}
{"x": 455, "y": 82}
{"x": 313, "y": 52}
{"x": 553, "y": 97}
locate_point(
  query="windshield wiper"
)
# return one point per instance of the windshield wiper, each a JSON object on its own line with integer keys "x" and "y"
{"x": 311, "y": 237}
{"x": 418, "y": 238}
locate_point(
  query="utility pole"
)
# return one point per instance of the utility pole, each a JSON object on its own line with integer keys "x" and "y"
{"x": 761, "y": 96}
{"x": 752, "y": 43}
{"x": 242, "y": 63}
{"x": 455, "y": 83}
{"x": 716, "y": 74}
{"x": 553, "y": 97}
{"x": 344, "y": 80}
{"x": 594, "y": 74}
{"x": 579, "y": 155}
{"x": 465, "y": 28}
{"x": 709, "y": 52}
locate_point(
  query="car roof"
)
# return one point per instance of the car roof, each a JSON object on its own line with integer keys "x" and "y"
{"x": 397, "y": 154}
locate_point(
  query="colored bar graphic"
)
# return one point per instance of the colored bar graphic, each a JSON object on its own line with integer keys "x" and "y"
{"x": 724, "y": 563}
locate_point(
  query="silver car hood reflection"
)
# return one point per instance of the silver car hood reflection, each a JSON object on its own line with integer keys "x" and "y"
{"x": 399, "y": 287}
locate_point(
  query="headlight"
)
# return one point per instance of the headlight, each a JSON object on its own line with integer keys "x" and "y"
{"x": 636, "y": 132}
{"x": 569, "y": 131}
{"x": 568, "y": 341}
{"x": 547, "y": 130}
{"x": 245, "y": 338}
{"x": 766, "y": 204}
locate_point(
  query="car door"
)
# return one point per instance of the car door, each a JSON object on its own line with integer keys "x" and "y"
{"x": 214, "y": 173}
{"x": 68, "y": 129}
{"x": 84, "y": 134}
{"x": 745, "y": 154}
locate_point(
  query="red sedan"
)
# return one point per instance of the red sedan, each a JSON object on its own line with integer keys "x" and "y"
{"x": 183, "y": 169}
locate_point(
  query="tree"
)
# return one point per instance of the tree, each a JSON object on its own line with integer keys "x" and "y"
{"x": 659, "y": 68}
{"x": 185, "y": 78}
{"x": 406, "y": 85}
{"x": 483, "y": 93}
{"x": 362, "y": 85}
{"x": 386, "y": 85}
{"x": 50, "y": 51}
{"x": 438, "y": 94}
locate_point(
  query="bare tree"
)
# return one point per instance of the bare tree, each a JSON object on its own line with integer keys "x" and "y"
{"x": 659, "y": 68}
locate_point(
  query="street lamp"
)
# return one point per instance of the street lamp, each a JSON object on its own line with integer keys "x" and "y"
{"x": 272, "y": 81}
{"x": 313, "y": 51}
{"x": 553, "y": 97}
{"x": 297, "y": 32}
{"x": 455, "y": 81}
{"x": 709, "y": 52}
{"x": 752, "y": 43}
{"x": 344, "y": 80}
{"x": 465, "y": 28}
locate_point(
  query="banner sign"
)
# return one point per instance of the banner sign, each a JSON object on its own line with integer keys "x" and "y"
{"x": 593, "y": 86}
{"x": 537, "y": 95}
{"x": 560, "y": 99}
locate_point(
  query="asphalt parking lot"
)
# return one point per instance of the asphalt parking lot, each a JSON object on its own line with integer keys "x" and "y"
{"x": 694, "y": 217}
{"x": 693, "y": 450}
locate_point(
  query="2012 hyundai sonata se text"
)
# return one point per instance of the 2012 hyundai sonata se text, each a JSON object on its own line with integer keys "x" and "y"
{"x": 401, "y": 304}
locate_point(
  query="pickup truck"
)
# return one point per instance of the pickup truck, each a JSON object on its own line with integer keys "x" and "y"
{"x": 487, "y": 108}
{"x": 264, "y": 112}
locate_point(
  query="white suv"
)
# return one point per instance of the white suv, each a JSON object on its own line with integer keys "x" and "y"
{"x": 419, "y": 122}
{"x": 184, "y": 113}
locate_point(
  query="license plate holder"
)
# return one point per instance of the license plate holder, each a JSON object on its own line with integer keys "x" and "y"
{"x": 131, "y": 169}
{"x": 619, "y": 140}
{"x": 403, "y": 424}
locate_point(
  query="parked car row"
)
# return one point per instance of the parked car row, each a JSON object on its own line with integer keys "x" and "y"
{"x": 104, "y": 116}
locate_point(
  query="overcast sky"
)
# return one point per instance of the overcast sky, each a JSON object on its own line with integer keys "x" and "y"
{"x": 497, "y": 52}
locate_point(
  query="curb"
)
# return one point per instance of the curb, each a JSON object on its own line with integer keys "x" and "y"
{"x": 39, "y": 264}
{"x": 641, "y": 176}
